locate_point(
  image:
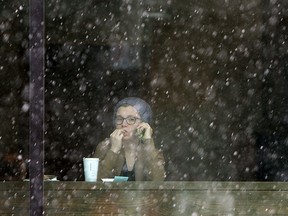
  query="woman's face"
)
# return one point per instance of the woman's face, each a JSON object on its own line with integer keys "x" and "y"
{"x": 127, "y": 119}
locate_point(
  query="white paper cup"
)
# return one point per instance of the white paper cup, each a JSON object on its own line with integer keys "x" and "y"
{"x": 91, "y": 169}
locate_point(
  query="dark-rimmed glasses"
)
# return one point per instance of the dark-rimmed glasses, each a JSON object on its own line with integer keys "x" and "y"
{"x": 130, "y": 120}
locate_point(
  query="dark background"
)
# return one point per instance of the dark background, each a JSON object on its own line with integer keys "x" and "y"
{"x": 214, "y": 72}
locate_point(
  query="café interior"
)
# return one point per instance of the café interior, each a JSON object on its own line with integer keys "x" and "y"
{"x": 215, "y": 74}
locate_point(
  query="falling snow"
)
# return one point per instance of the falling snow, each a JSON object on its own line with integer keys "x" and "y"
{"x": 214, "y": 72}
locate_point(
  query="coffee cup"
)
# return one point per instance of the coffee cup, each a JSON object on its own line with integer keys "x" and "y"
{"x": 91, "y": 169}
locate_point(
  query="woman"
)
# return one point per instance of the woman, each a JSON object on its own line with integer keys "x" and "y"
{"x": 130, "y": 150}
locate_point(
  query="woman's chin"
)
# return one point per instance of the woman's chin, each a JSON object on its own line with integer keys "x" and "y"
{"x": 126, "y": 137}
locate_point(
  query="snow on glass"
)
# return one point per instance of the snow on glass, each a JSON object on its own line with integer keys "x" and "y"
{"x": 214, "y": 73}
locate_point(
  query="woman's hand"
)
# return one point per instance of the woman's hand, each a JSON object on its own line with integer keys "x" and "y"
{"x": 144, "y": 130}
{"x": 116, "y": 140}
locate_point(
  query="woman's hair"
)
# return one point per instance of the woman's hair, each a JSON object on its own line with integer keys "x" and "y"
{"x": 143, "y": 108}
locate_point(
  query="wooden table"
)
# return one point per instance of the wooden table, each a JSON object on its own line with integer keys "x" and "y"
{"x": 150, "y": 198}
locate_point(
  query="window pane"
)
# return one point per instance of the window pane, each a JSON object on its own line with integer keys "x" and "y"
{"x": 214, "y": 73}
{"x": 14, "y": 90}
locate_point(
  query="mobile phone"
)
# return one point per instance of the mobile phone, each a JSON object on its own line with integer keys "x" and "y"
{"x": 139, "y": 133}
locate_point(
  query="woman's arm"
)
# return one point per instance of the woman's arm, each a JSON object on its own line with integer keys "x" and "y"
{"x": 109, "y": 161}
{"x": 153, "y": 158}
{"x": 154, "y": 162}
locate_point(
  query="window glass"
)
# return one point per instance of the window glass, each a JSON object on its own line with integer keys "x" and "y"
{"x": 14, "y": 90}
{"x": 214, "y": 73}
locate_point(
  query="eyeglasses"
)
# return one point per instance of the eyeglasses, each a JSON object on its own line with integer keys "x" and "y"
{"x": 129, "y": 120}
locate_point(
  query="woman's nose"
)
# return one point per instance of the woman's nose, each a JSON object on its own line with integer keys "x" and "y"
{"x": 124, "y": 123}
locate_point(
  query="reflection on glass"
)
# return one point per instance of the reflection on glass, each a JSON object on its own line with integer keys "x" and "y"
{"x": 215, "y": 73}
{"x": 14, "y": 95}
